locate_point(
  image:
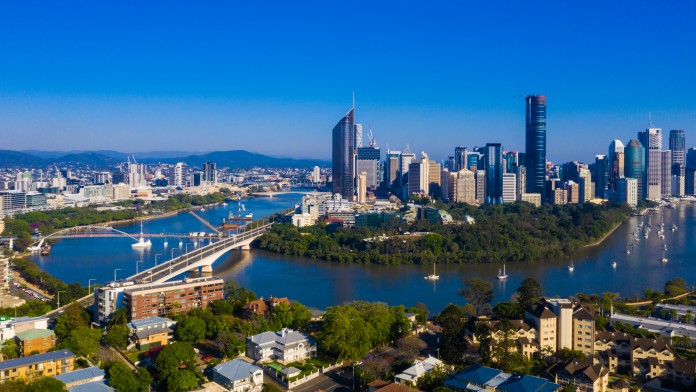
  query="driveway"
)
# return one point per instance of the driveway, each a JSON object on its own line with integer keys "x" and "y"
{"x": 326, "y": 382}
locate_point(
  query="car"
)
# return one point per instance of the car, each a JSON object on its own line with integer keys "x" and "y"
{"x": 207, "y": 357}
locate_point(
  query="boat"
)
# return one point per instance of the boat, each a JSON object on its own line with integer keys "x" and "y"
{"x": 224, "y": 204}
{"x": 202, "y": 209}
{"x": 434, "y": 276}
{"x": 166, "y": 243}
{"x": 502, "y": 275}
{"x": 664, "y": 257}
{"x": 181, "y": 243}
{"x": 613, "y": 264}
{"x": 571, "y": 267}
{"x": 141, "y": 241}
{"x": 46, "y": 250}
{"x": 628, "y": 251}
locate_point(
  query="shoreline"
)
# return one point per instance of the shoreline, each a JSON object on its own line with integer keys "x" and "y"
{"x": 604, "y": 237}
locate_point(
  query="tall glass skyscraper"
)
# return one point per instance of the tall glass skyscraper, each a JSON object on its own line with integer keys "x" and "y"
{"x": 677, "y": 144}
{"x": 634, "y": 164}
{"x": 494, "y": 173}
{"x": 535, "y": 144}
{"x": 342, "y": 155}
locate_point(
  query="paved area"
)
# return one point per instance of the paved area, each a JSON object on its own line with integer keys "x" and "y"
{"x": 328, "y": 383}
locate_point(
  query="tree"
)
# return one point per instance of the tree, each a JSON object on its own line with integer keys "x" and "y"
{"x": 432, "y": 379}
{"x": 410, "y": 346}
{"x": 508, "y": 310}
{"x": 452, "y": 320}
{"x": 23, "y": 241}
{"x": 477, "y": 292}
{"x": 10, "y": 350}
{"x": 46, "y": 384}
{"x": 83, "y": 341}
{"x": 73, "y": 318}
{"x": 344, "y": 334}
{"x": 182, "y": 381}
{"x": 120, "y": 317}
{"x": 144, "y": 379}
{"x": 122, "y": 378}
{"x": 674, "y": 287}
{"x": 483, "y": 335}
{"x": 117, "y": 336}
{"x": 529, "y": 292}
{"x": 190, "y": 329}
{"x": 230, "y": 343}
{"x": 374, "y": 366}
{"x": 238, "y": 295}
{"x": 270, "y": 388}
{"x": 281, "y": 316}
{"x": 172, "y": 356}
{"x": 567, "y": 355}
{"x": 301, "y": 316}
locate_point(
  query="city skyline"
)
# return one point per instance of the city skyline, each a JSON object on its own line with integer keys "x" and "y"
{"x": 170, "y": 82}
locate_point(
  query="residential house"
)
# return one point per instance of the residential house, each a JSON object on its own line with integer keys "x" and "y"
{"x": 28, "y": 368}
{"x": 582, "y": 375}
{"x": 263, "y": 306}
{"x": 37, "y": 341}
{"x": 238, "y": 376}
{"x": 411, "y": 375}
{"x": 10, "y": 328}
{"x": 283, "y": 346}
{"x": 151, "y": 332}
{"x": 523, "y": 333}
{"x": 81, "y": 376}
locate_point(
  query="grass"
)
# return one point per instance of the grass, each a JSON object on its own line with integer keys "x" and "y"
{"x": 275, "y": 366}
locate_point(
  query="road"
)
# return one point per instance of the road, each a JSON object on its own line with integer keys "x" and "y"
{"x": 329, "y": 382}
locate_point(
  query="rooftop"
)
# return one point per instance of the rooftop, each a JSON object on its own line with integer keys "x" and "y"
{"x": 149, "y": 321}
{"x": 94, "y": 386}
{"x": 236, "y": 369}
{"x": 39, "y": 358}
{"x": 35, "y": 334}
{"x": 82, "y": 374}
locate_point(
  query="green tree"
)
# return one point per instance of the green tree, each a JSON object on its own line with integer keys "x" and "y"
{"x": 83, "y": 341}
{"x": 74, "y": 317}
{"x": 230, "y": 343}
{"x": 120, "y": 317}
{"x": 345, "y": 334}
{"x": 432, "y": 379}
{"x": 301, "y": 316}
{"x": 567, "y": 355}
{"x": 508, "y": 310}
{"x": 281, "y": 316}
{"x": 190, "y": 329}
{"x": 270, "y": 388}
{"x": 676, "y": 286}
{"x": 182, "y": 381}
{"x": 122, "y": 378}
{"x": 117, "y": 336}
{"x": 22, "y": 242}
{"x": 238, "y": 295}
{"x": 14, "y": 386}
{"x": 46, "y": 384}
{"x": 477, "y": 292}
{"x": 453, "y": 320}
{"x": 529, "y": 292}
{"x": 172, "y": 356}
{"x": 10, "y": 350}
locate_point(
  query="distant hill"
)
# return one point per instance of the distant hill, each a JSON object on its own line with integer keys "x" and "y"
{"x": 106, "y": 159}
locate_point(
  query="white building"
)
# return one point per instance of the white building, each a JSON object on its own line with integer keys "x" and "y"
{"x": 411, "y": 375}
{"x": 362, "y": 188}
{"x": 10, "y": 328}
{"x": 509, "y": 187}
{"x": 238, "y": 376}
{"x": 563, "y": 308}
{"x": 284, "y": 346}
{"x": 179, "y": 175}
{"x": 4, "y": 268}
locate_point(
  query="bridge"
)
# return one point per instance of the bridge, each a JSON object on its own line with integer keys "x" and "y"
{"x": 203, "y": 256}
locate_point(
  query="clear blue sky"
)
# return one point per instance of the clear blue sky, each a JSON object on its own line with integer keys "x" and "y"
{"x": 276, "y": 77}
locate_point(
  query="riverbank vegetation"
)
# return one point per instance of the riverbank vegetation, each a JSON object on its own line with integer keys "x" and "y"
{"x": 516, "y": 232}
{"x": 33, "y": 274}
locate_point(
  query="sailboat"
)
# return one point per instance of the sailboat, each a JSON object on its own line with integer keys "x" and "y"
{"x": 613, "y": 264}
{"x": 434, "y": 276}
{"x": 674, "y": 225}
{"x": 502, "y": 275}
{"x": 664, "y": 257}
{"x": 141, "y": 242}
{"x": 166, "y": 243}
{"x": 571, "y": 267}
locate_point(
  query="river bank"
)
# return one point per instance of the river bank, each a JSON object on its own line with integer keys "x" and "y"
{"x": 604, "y": 237}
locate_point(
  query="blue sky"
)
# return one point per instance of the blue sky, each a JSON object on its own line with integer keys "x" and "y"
{"x": 275, "y": 77}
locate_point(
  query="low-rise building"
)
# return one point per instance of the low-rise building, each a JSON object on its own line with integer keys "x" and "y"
{"x": 28, "y": 368}
{"x": 419, "y": 368}
{"x": 81, "y": 376}
{"x": 10, "y": 328}
{"x": 479, "y": 378}
{"x": 36, "y": 341}
{"x": 238, "y": 376}
{"x": 263, "y": 306}
{"x": 151, "y": 332}
{"x": 665, "y": 328}
{"x": 582, "y": 375}
{"x": 283, "y": 346}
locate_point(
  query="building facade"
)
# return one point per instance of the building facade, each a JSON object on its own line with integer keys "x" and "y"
{"x": 342, "y": 155}
{"x": 164, "y": 299}
{"x": 535, "y": 143}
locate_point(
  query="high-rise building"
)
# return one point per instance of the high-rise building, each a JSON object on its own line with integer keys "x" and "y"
{"x": 179, "y": 175}
{"x": 677, "y": 144}
{"x": 462, "y": 187}
{"x": 573, "y": 192}
{"x": 635, "y": 164}
{"x": 210, "y": 172}
{"x": 494, "y": 173}
{"x": 451, "y": 164}
{"x": 586, "y": 185}
{"x": 419, "y": 176}
{"x": 137, "y": 174}
{"x": 521, "y": 181}
{"x": 434, "y": 170}
{"x": 342, "y": 155}
{"x": 615, "y": 163}
{"x": 391, "y": 173}
{"x": 362, "y": 187}
{"x": 480, "y": 176}
{"x": 405, "y": 160}
{"x": 472, "y": 162}
{"x": 358, "y": 136}
{"x": 602, "y": 175}
{"x": 368, "y": 161}
{"x": 651, "y": 139}
{"x": 691, "y": 159}
{"x": 460, "y": 158}
{"x": 509, "y": 187}
{"x": 510, "y": 161}
{"x": 627, "y": 191}
{"x": 445, "y": 187}
{"x": 665, "y": 173}
{"x": 316, "y": 175}
{"x": 535, "y": 143}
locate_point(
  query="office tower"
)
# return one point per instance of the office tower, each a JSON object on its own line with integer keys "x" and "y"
{"x": 342, "y": 156}
{"x": 316, "y": 175}
{"x": 510, "y": 161}
{"x": 362, "y": 187}
{"x": 690, "y": 182}
{"x": 480, "y": 176}
{"x": 509, "y": 187}
{"x": 573, "y": 192}
{"x": 179, "y": 175}
{"x": 197, "y": 178}
{"x": 451, "y": 163}
{"x": 368, "y": 161}
{"x": 460, "y": 158}
{"x": 210, "y": 172}
{"x": 635, "y": 164}
{"x": 445, "y": 184}
{"x": 691, "y": 159}
{"x": 535, "y": 143}
{"x": 434, "y": 170}
{"x": 665, "y": 173}
{"x": 405, "y": 161}
{"x": 462, "y": 188}
{"x": 677, "y": 144}
{"x": 391, "y": 173}
{"x": 615, "y": 162}
{"x": 586, "y": 185}
{"x": 419, "y": 176}
{"x": 494, "y": 173}
{"x": 678, "y": 185}
{"x": 627, "y": 191}
{"x": 472, "y": 162}
{"x": 521, "y": 181}
{"x": 137, "y": 174}
{"x": 651, "y": 139}
{"x": 358, "y": 136}
{"x": 602, "y": 175}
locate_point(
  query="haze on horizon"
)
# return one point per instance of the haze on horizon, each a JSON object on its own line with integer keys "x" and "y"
{"x": 275, "y": 78}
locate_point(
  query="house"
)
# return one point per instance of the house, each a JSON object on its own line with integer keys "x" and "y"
{"x": 94, "y": 386}
{"x": 238, "y": 376}
{"x": 82, "y": 376}
{"x": 10, "y": 328}
{"x": 411, "y": 375}
{"x": 37, "y": 341}
{"x": 263, "y": 306}
{"x": 284, "y": 346}
{"x": 34, "y": 366}
{"x": 476, "y": 378}
{"x": 151, "y": 332}
{"x": 383, "y": 386}
{"x": 581, "y": 375}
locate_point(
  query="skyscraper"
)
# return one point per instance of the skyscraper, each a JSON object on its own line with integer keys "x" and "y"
{"x": 210, "y": 172}
{"x": 179, "y": 175}
{"x": 535, "y": 143}
{"x": 677, "y": 144}
{"x": 615, "y": 163}
{"x": 602, "y": 174}
{"x": 342, "y": 155}
{"x": 391, "y": 173}
{"x": 635, "y": 164}
{"x": 460, "y": 155}
{"x": 368, "y": 161}
{"x": 651, "y": 139}
{"x": 494, "y": 173}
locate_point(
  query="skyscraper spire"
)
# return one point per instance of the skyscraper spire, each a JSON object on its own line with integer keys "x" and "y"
{"x": 353, "y": 104}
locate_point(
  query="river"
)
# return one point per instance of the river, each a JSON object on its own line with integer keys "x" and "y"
{"x": 319, "y": 284}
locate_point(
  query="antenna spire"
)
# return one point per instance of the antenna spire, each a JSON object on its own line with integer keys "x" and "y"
{"x": 649, "y": 119}
{"x": 353, "y": 105}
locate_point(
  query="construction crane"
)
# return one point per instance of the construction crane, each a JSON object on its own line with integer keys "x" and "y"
{"x": 205, "y": 222}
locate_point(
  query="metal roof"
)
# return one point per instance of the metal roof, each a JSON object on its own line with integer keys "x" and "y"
{"x": 39, "y": 358}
